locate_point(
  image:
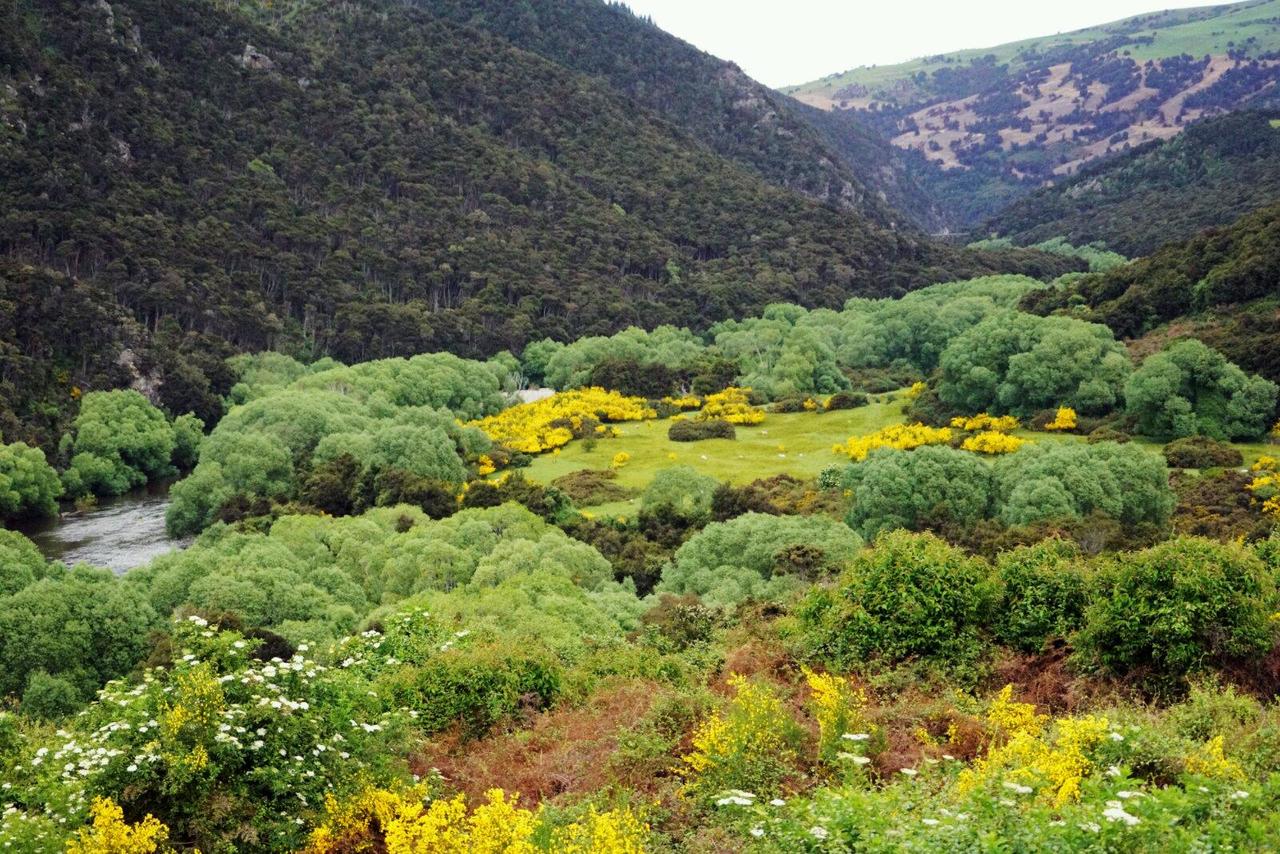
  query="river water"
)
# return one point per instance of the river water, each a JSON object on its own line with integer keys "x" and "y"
{"x": 120, "y": 533}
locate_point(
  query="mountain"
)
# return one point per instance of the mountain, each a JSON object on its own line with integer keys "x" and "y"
{"x": 986, "y": 126}
{"x": 1221, "y": 286}
{"x": 189, "y": 179}
{"x": 713, "y": 100}
{"x": 1209, "y": 175}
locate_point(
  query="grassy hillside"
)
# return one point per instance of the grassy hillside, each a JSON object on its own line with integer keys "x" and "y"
{"x": 1215, "y": 172}
{"x": 185, "y": 180}
{"x": 987, "y": 125}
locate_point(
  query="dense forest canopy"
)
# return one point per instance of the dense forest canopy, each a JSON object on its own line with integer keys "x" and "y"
{"x": 362, "y": 180}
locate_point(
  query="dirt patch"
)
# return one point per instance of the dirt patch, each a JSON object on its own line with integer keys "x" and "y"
{"x": 566, "y": 750}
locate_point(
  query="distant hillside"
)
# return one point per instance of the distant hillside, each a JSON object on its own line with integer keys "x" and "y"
{"x": 713, "y": 100}
{"x": 188, "y": 179}
{"x": 1216, "y": 171}
{"x": 986, "y": 126}
{"x": 1222, "y": 286}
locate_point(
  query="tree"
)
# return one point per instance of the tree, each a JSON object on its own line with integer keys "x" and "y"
{"x": 913, "y": 489}
{"x": 120, "y": 441}
{"x": 28, "y": 484}
{"x": 680, "y": 491}
{"x": 1190, "y": 389}
{"x": 1018, "y": 363}
{"x": 750, "y": 556}
{"x": 1048, "y": 481}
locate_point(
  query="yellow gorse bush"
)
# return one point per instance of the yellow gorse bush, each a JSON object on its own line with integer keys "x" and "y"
{"x": 684, "y": 402}
{"x": 110, "y": 834}
{"x": 550, "y": 423}
{"x": 904, "y": 437}
{"x": 1210, "y": 761}
{"x": 620, "y": 459}
{"x": 983, "y": 421}
{"x": 916, "y": 390}
{"x": 732, "y": 405}
{"x": 1065, "y": 419}
{"x": 744, "y": 745}
{"x": 1023, "y": 753}
{"x": 378, "y": 820}
{"x": 838, "y": 707}
{"x": 1265, "y": 485}
{"x": 992, "y": 443}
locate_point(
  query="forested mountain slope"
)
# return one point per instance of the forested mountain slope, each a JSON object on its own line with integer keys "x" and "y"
{"x": 1222, "y": 286}
{"x": 363, "y": 179}
{"x": 1216, "y": 171}
{"x": 988, "y": 125}
{"x": 710, "y": 98}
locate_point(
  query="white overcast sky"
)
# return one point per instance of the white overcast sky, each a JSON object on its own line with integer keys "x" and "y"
{"x": 780, "y": 42}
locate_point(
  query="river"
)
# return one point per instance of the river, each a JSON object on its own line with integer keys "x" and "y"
{"x": 120, "y": 533}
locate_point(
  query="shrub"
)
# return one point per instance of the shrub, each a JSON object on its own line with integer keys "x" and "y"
{"x": 682, "y": 492}
{"x": 733, "y": 405}
{"x": 685, "y": 430}
{"x": 120, "y": 441}
{"x": 903, "y": 437}
{"x": 1171, "y": 610}
{"x": 930, "y": 486}
{"x": 846, "y": 400}
{"x": 750, "y": 745}
{"x": 727, "y": 562}
{"x": 1043, "y": 590}
{"x": 1064, "y": 419}
{"x": 589, "y": 487}
{"x": 28, "y": 484}
{"x": 1055, "y": 481}
{"x": 992, "y": 442}
{"x": 1190, "y": 389}
{"x": 1107, "y": 434}
{"x": 1201, "y": 452}
{"x": 909, "y": 596}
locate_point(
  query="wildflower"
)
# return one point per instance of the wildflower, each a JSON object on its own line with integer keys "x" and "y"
{"x": 1018, "y": 787}
{"x": 1115, "y": 812}
{"x": 910, "y": 772}
{"x": 929, "y": 822}
{"x": 818, "y": 832}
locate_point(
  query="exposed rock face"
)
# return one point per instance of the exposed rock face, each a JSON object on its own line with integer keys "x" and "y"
{"x": 255, "y": 60}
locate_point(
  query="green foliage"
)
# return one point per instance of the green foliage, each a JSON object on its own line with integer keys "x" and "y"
{"x": 747, "y": 557}
{"x": 929, "y": 486}
{"x": 1215, "y": 171}
{"x": 681, "y": 492}
{"x": 1190, "y": 389}
{"x": 188, "y": 433}
{"x": 1172, "y": 610}
{"x": 689, "y": 430}
{"x": 121, "y": 441}
{"x": 1200, "y": 452}
{"x": 1222, "y": 281}
{"x": 1072, "y": 480}
{"x": 1019, "y": 364}
{"x": 909, "y": 596}
{"x": 20, "y": 562}
{"x": 29, "y": 486}
{"x": 80, "y": 626}
{"x": 1043, "y": 590}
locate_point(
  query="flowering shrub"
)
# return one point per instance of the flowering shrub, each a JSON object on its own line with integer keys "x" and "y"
{"x": 982, "y": 421}
{"x": 216, "y": 740}
{"x": 110, "y": 834}
{"x": 620, "y": 459}
{"x": 840, "y": 710}
{"x": 749, "y": 745}
{"x": 731, "y": 405}
{"x": 1065, "y": 419}
{"x": 684, "y": 403}
{"x": 904, "y": 437}
{"x": 917, "y": 389}
{"x": 1021, "y": 752}
{"x": 411, "y": 823}
{"x": 1265, "y": 485}
{"x": 992, "y": 443}
{"x": 552, "y": 422}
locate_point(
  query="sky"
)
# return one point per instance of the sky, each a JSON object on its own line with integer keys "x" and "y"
{"x": 781, "y": 42}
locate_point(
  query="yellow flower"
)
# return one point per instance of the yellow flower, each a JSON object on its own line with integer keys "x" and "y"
{"x": 732, "y": 405}
{"x": 110, "y": 834}
{"x": 904, "y": 437}
{"x": 543, "y": 425}
{"x": 992, "y": 443}
{"x": 1064, "y": 420}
